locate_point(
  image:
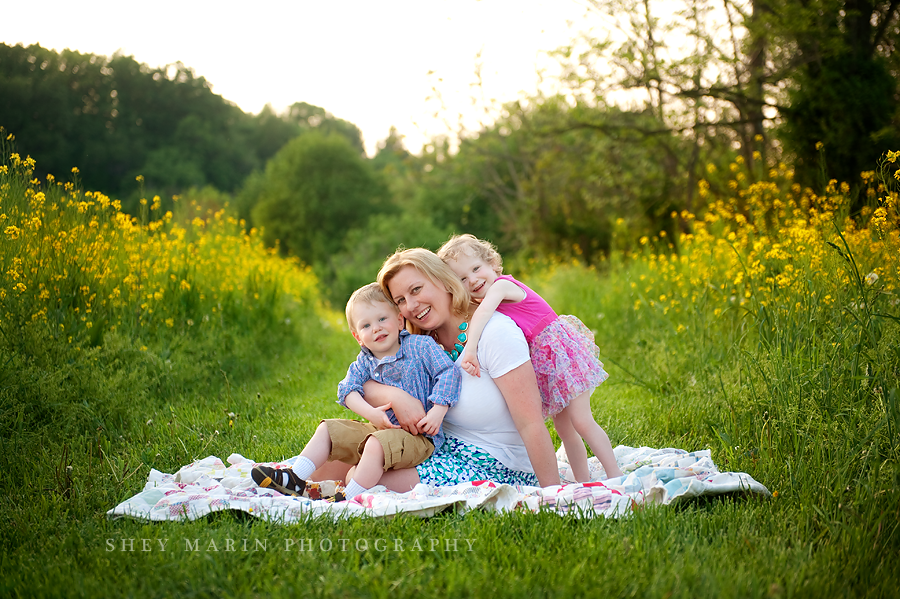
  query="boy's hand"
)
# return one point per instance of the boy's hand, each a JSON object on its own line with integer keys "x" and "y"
{"x": 431, "y": 424}
{"x": 407, "y": 409}
{"x": 470, "y": 363}
{"x": 380, "y": 419}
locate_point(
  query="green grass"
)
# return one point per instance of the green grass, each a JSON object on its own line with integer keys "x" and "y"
{"x": 819, "y": 537}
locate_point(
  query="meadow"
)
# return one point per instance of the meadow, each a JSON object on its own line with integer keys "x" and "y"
{"x": 767, "y": 332}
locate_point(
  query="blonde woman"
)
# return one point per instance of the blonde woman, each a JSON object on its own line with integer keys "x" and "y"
{"x": 496, "y": 431}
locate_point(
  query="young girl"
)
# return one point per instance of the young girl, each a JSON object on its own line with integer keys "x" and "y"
{"x": 565, "y": 358}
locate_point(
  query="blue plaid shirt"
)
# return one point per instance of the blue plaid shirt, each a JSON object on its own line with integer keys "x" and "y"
{"x": 420, "y": 367}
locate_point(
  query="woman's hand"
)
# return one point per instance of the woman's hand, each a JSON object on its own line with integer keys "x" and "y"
{"x": 407, "y": 409}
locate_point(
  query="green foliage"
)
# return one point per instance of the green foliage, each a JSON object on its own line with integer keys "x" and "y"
{"x": 840, "y": 64}
{"x": 366, "y": 248}
{"x": 98, "y": 310}
{"x": 313, "y": 118}
{"x": 768, "y": 79}
{"x": 316, "y": 189}
{"x": 848, "y": 104}
{"x": 549, "y": 179}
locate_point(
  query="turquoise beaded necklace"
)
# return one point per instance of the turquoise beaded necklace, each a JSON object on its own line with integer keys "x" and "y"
{"x": 460, "y": 344}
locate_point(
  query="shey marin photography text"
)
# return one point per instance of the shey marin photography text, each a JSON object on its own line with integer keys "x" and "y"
{"x": 302, "y": 544}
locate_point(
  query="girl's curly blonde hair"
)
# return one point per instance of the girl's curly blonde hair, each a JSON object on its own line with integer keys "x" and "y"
{"x": 472, "y": 246}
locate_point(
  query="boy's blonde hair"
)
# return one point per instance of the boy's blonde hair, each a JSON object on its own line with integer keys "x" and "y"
{"x": 368, "y": 294}
{"x": 472, "y": 246}
{"x": 435, "y": 269}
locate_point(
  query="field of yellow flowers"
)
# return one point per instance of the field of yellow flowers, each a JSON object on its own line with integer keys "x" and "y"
{"x": 84, "y": 286}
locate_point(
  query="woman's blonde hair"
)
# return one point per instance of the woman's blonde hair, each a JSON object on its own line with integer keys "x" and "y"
{"x": 426, "y": 262}
{"x": 470, "y": 245}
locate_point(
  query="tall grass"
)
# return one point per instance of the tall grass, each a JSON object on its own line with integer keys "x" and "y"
{"x": 128, "y": 343}
{"x": 769, "y": 332}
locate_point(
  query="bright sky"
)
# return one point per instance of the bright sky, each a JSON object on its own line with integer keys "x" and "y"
{"x": 364, "y": 61}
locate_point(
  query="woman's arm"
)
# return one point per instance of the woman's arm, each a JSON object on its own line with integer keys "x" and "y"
{"x": 519, "y": 389}
{"x": 407, "y": 409}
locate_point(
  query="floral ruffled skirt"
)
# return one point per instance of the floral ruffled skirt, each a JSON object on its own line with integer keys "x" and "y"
{"x": 567, "y": 363}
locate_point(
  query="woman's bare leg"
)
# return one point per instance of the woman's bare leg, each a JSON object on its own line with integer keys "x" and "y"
{"x": 400, "y": 481}
{"x": 331, "y": 471}
{"x": 575, "y": 450}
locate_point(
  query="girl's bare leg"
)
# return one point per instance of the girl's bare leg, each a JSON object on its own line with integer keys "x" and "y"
{"x": 575, "y": 450}
{"x": 583, "y": 421}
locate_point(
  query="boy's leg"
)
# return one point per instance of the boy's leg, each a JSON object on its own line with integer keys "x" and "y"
{"x": 583, "y": 421}
{"x": 334, "y": 439}
{"x": 575, "y": 450}
{"x": 293, "y": 481}
{"x": 388, "y": 450}
{"x": 371, "y": 464}
{"x": 369, "y": 470}
{"x": 315, "y": 452}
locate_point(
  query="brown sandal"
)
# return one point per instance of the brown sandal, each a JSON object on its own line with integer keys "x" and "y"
{"x": 284, "y": 481}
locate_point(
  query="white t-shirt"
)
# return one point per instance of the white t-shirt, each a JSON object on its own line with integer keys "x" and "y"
{"x": 481, "y": 417}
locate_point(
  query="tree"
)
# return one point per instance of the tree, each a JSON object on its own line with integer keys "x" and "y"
{"x": 808, "y": 70}
{"x": 315, "y": 189}
{"x": 842, "y": 71}
{"x": 115, "y": 118}
{"x": 313, "y": 118}
{"x": 549, "y": 178}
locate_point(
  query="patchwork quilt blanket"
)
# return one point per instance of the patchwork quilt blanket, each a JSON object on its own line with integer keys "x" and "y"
{"x": 651, "y": 476}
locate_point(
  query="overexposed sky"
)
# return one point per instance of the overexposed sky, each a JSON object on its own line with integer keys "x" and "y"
{"x": 364, "y": 61}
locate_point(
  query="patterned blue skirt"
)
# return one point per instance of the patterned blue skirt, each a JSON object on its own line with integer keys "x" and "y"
{"x": 459, "y": 462}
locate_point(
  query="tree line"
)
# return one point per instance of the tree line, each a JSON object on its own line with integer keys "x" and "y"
{"x": 114, "y": 119}
{"x": 811, "y": 83}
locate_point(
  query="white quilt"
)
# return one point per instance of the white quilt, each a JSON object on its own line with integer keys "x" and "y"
{"x": 651, "y": 476}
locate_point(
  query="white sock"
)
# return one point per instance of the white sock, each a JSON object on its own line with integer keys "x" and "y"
{"x": 303, "y": 467}
{"x": 353, "y": 489}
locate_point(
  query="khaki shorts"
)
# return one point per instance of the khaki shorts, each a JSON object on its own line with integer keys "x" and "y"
{"x": 401, "y": 449}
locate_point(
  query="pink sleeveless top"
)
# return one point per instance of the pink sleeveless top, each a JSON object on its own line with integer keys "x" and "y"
{"x": 532, "y": 314}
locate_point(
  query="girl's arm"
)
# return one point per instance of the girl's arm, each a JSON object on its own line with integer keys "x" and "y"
{"x": 519, "y": 389}
{"x": 407, "y": 409}
{"x": 499, "y": 292}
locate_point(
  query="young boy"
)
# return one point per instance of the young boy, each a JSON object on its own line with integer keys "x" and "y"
{"x": 390, "y": 355}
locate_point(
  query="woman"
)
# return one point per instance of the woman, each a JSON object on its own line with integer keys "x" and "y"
{"x": 496, "y": 430}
